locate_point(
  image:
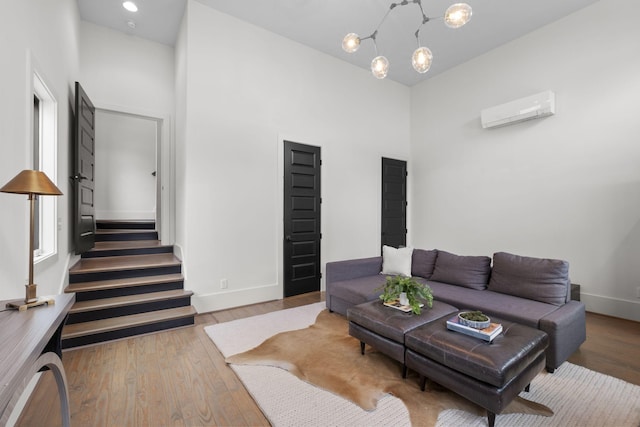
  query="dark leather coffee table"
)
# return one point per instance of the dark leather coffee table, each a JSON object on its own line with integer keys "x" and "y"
{"x": 488, "y": 374}
{"x": 384, "y": 328}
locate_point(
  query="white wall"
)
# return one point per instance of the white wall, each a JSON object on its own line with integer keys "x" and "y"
{"x": 180, "y": 64}
{"x": 34, "y": 35}
{"x": 246, "y": 90}
{"x": 120, "y": 70}
{"x": 567, "y": 186}
{"x": 125, "y": 188}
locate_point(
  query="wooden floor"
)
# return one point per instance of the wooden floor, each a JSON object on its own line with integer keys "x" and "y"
{"x": 179, "y": 378}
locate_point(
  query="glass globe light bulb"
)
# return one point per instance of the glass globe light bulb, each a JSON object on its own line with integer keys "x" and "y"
{"x": 380, "y": 67}
{"x": 421, "y": 59}
{"x": 351, "y": 43}
{"x": 457, "y": 15}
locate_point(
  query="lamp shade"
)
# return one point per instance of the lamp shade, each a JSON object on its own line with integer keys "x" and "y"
{"x": 380, "y": 67}
{"x": 457, "y": 15}
{"x": 31, "y": 182}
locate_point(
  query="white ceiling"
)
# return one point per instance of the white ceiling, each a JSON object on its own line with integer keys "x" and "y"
{"x": 321, "y": 24}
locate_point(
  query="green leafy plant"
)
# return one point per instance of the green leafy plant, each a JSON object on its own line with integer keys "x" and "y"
{"x": 416, "y": 292}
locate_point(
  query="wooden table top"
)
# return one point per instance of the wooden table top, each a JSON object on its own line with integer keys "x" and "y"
{"x": 23, "y": 337}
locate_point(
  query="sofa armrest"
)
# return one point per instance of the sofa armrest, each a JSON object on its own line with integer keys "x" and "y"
{"x": 566, "y": 328}
{"x": 339, "y": 271}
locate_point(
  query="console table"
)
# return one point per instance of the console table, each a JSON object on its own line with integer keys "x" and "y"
{"x": 29, "y": 343}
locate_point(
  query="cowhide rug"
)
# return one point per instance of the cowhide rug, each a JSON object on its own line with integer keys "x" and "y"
{"x": 326, "y": 356}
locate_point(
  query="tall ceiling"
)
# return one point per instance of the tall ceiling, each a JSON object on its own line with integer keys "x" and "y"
{"x": 321, "y": 24}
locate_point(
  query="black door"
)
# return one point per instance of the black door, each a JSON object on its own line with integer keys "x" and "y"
{"x": 83, "y": 176}
{"x": 301, "y": 247}
{"x": 394, "y": 203}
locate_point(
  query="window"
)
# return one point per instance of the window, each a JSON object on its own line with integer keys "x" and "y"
{"x": 44, "y": 158}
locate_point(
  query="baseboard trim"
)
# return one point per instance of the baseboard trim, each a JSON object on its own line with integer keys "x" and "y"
{"x": 229, "y": 299}
{"x": 614, "y": 307}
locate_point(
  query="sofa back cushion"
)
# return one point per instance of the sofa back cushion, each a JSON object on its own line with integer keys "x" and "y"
{"x": 423, "y": 262}
{"x": 396, "y": 262}
{"x": 468, "y": 271}
{"x": 539, "y": 279}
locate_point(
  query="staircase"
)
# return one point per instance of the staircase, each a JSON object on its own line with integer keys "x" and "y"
{"x": 128, "y": 284}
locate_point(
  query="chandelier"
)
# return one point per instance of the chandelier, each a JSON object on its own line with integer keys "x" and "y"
{"x": 455, "y": 16}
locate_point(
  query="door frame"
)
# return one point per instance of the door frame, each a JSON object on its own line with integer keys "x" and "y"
{"x": 306, "y": 140}
{"x": 165, "y": 163}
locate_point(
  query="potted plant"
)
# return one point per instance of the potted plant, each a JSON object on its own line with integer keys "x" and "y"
{"x": 414, "y": 292}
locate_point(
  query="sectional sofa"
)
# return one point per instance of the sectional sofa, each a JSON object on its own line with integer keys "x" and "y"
{"x": 531, "y": 291}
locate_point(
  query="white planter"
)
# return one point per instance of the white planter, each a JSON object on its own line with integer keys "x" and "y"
{"x": 403, "y": 298}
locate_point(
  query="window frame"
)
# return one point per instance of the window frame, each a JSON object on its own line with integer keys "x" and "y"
{"x": 44, "y": 149}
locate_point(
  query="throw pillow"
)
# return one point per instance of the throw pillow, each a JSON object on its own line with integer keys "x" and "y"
{"x": 539, "y": 279}
{"x": 468, "y": 271}
{"x": 423, "y": 262}
{"x": 396, "y": 261}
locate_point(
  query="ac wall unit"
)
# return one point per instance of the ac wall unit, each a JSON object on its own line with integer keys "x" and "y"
{"x": 531, "y": 107}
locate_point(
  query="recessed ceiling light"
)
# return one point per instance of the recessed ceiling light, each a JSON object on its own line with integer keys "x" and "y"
{"x": 130, "y": 6}
{"x": 131, "y": 24}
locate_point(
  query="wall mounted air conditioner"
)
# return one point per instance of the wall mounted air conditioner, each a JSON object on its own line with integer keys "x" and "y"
{"x": 531, "y": 107}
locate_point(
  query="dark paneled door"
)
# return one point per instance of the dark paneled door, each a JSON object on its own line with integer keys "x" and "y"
{"x": 83, "y": 177}
{"x": 394, "y": 203}
{"x": 301, "y": 247}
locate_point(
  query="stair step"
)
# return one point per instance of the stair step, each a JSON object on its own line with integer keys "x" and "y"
{"x": 104, "y": 303}
{"x": 127, "y": 247}
{"x": 119, "y": 327}
{"x": 117, "y": 267}
{"x": 90, "y": 310}
{"x": 125, "y": 286}
{"x": 123, "y": 262}
{"x": 102, "y": 224}
{"x": 125, "y": 234}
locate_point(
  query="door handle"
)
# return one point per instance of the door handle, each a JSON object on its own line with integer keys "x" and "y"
{"x": 78, "y": 177}
{"x": 287, "y": 238}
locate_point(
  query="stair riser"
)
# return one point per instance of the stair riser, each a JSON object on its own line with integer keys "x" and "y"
{"x": 124, "y": 252}
{"x": 128, "y": 332}
{"x": 123, "y": 274}
{"x": 133, "y": 225}
{"x": 126, "y": 237}
{"x": 127, "y": 310}
{"x": 131, "y": 290}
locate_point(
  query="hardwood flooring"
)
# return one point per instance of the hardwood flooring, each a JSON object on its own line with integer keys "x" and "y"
{"x": 178, "y": 377}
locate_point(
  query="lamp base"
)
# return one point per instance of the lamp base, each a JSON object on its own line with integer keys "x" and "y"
{"x": 21, "y": 305}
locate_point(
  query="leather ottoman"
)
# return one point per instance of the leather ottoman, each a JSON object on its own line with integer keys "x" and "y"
{"x": 488, "y": 374}
{"x": 384, "y": 328}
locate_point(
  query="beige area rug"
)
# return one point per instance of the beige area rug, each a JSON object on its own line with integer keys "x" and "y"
{"x": 578, "y": 396}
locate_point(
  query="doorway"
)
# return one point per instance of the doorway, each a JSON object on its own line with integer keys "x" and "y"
{"x": 301, "y": 240}
{"x": 126, "y": 167}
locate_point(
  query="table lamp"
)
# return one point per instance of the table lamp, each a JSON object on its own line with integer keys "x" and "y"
{"x": 33, "y": 183}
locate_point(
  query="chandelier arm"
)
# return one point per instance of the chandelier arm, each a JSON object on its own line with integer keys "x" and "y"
{"x": 384, "y": 18}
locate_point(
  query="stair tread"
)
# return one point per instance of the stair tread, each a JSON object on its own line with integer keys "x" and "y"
{"x": 122, "y": 283}
{"x": 123, "y": 230}
{"x": 124, "y": 322}
{"x": 114, "y": 263}
{"x": 104, "y": 303}
{"x": 127, "y": 244}
{"x": 125, "y": 221}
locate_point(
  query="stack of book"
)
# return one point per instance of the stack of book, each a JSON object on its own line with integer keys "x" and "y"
{"x": 487, "y": 334}
{"x": 396, "y": 304}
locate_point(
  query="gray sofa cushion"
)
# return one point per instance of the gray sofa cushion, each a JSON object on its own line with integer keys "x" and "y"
{"x": 362, "y": 289}
{"x": 468, "y": 271}
{"x": 423, "y": 262}
{"x": 539, "y": 279}
{"x": 505, "y": 306}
